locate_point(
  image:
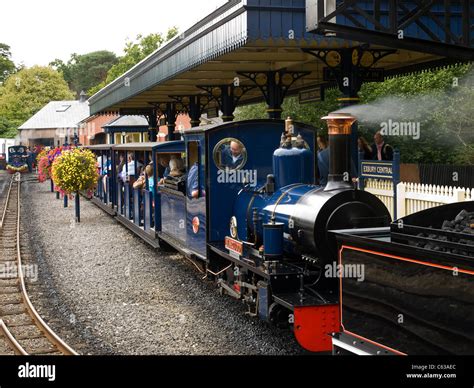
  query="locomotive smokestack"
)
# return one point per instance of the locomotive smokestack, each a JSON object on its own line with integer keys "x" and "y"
{"x": 339, "y": 125}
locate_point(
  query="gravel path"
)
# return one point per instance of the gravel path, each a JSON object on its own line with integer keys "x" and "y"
{"x": 107, "y": 292}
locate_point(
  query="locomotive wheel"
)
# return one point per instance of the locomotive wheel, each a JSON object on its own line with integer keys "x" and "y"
{"x": 278, "y": 315}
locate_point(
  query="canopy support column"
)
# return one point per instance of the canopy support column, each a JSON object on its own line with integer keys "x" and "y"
{"x": 227, "y": 98}
{"x": 153, "y": 126}
{"x": 350, "y": 68}
{"x": 274, "y": 86}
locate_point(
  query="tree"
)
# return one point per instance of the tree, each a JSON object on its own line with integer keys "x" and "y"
{"x": 7, "y": 66}
{"x": 82, "y": 72}
{"x": 135, "y": 51}
{"x": 7, "y": 128}
{"x": 439, "y": 100}
{"x": 27, "y": 91}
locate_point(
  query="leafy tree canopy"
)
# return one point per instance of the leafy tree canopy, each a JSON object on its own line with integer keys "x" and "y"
{"x": 134, "y": 51}
{"x": 27, "y": 91}
{"x": 82, "y": 72}
{"x": 7, "y": 66}
{"x": 7, "y": 128}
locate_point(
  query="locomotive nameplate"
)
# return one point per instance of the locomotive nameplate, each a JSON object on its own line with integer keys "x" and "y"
{"x": 235, "y": 247}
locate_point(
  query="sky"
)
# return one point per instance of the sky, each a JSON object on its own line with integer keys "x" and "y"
{"x": 39, "y": 31}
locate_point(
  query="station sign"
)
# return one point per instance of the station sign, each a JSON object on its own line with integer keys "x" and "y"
{"x": 368, "y": 75}
{"x": 310, "y": 95}
{"x": 382, "y": 170}
{"x": 377, "y": 169}
{"x": 212, "y": 113}
{"x": 136, "y": 111}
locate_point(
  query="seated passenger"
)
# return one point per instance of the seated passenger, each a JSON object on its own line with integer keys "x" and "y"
{"x": 193, "y": 181}
{"x": 176, "y": 167}
{"x": 139, "y": 183}
{"x": 163, "y": 166}
{"x": 151, "y": 179}
{"x": 232, "y": 155}
{"x": 120, "y": 165}
{"x": 128, "y": 170}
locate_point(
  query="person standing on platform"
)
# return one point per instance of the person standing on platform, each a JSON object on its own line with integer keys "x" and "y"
{"x": 323, "y": 160}
{"x": 380, "y": 149}
{"x": 29, "y": 159}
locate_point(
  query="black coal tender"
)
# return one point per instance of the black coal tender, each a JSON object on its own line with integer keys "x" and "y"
{"x": 409, "y": 289}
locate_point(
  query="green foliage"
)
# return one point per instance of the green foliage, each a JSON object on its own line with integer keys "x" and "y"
{"x": 135, "y": 51}
{"x": 82, "y": 72}
{"x": 441, "y": 101}
{"x": 7, "y": 128}
{"x": 26, "y": 92}
{"x": 308, "y": 113}
{"x": 7, "y": 66}
{"x": 250, "y": 112}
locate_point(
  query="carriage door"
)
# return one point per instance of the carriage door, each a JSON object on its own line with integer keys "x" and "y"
{"x": 196, "y": 197}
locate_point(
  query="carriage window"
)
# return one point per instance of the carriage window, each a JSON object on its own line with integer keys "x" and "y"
{"x": 230, "y": 153}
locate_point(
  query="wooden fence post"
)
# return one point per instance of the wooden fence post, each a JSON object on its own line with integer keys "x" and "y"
{"x": 401, "y": 200}
{"x": 459, "y": 195}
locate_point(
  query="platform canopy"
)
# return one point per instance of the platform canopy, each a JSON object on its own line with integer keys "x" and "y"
{"x": 126, "y": 124}
{"x": 241, "y": 36}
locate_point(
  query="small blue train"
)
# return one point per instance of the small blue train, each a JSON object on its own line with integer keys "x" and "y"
{"x": 241, "y": 201}
{"x": 17, "y": 159}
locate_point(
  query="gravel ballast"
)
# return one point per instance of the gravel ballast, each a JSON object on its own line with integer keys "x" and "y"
{"x": 105, "y": 291}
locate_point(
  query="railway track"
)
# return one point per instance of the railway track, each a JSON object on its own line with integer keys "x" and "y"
{"x": 24, "y": 331}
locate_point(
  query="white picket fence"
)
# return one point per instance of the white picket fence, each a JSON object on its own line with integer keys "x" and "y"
{"x": 414, "y": 197}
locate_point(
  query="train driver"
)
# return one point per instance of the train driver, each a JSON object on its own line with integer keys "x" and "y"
{"x": 193, "y": 181}
{"x": 232, "y": 155}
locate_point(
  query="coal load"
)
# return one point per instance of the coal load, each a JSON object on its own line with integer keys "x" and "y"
{"x": 462, "y": 225}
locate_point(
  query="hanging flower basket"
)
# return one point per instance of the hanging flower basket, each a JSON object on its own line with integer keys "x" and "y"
{"x": 74, "y": 171}
{"x": 45, "y": 160}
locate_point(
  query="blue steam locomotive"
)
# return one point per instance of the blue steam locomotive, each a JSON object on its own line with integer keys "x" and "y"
{"x": 247, "y": 210}
{"x": 17, "y": 159}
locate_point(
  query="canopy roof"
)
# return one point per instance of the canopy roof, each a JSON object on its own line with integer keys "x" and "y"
{"x": 240, "y": 36}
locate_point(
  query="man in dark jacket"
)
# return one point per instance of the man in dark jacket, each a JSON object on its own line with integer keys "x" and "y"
{"x": 380, "y": 149}
{"x": 323, "y": 166}
{"x": 233, "y": 155}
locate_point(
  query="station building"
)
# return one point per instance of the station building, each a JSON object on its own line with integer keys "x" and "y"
{"x": 55, "y": 124}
